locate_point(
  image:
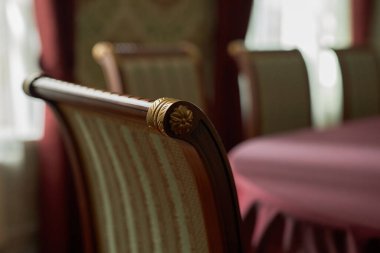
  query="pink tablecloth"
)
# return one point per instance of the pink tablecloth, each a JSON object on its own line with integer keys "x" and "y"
{"x": 329, "y": 177}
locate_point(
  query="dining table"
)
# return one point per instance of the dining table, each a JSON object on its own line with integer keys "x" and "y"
{"x": 328, "y": 177}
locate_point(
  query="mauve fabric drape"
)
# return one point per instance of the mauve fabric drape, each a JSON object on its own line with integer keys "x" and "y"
{"x": 232, "y": 23}
{"x": 361, "y": 21}
{"x": 55, "y": 26}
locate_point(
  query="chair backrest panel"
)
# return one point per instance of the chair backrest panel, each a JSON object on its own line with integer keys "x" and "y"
{"x": 162, "y": 76}
{"x": 153, "y": 70}
{"x": 361, "y": 82}
{"x": 152, "y": 184}
{"x": 274, "y": 90}
{"x": 122, "y": 162}
{"x": 283, "y": 90}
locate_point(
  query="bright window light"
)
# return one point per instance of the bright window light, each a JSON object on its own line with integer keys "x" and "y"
{"x": 311, "y": 26}
{"x": 21, "y": 118}
{"x": 327, "y": 68}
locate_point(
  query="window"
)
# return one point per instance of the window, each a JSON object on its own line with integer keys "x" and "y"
{"x": 20, "y": 117}
{"x": 313, "y": 27}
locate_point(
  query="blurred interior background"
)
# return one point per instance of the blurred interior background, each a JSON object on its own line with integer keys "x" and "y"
{"x": 57, "y": 37}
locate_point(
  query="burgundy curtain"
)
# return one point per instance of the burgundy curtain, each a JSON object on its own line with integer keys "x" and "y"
{"x": 55, "y": 25}
{"x": 361, "y": 20}
{"x": 233, "y": 17}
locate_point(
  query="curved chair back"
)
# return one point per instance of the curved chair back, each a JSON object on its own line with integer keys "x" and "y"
{"x": 274, "y": 90}
{"x": 361, "y": 82}
{"x": 150, "y": 176}
{"x": 153, "y": 70}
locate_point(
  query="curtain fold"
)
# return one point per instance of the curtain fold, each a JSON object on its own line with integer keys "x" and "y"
{"x": 232, "y": 23}
{"x": 55, "y": 25}
{"x": 361, "y": 21}
{"x": 55, "y": 21}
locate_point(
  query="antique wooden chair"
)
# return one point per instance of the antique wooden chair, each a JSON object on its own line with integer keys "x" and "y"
{"x": 274, "y": 90}
{"x": 151, "y": 176}
{"x": 153, "y": 70}
{"x": 361, "y": 82}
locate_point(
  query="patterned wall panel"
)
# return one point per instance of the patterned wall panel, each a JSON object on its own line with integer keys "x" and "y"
{"x": 141, "y": 21}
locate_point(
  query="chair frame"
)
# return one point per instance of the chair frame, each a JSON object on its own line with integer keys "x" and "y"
{"x": 201, "y": 136}
{"x": 250, "y": 99}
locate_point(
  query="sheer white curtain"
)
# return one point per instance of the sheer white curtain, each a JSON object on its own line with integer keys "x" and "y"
{"x": 20, "y": 117}
{"x": 20, "y": 121}
{"x": 312, "y": 26}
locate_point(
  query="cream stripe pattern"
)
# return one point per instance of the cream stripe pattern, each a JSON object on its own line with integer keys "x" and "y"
{"x": 162, "y": 77}
{"x": 124, "y": 189}
{"x": 161, "y": 196}
{"x": 100, "y": 183}
{"x": 142, "y": 186}
{"x": 144, "y": 180}
{"x": 177, "y": 160}
{"x": 179, "y": 209}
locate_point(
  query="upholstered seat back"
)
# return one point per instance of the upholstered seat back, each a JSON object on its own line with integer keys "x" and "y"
{"x": 361, "y": 82}
{"x": 274, "y": 90}
{"x": 152, "y": 177}
{"x": 144, "y": 193}
{"x": 153, "y": 71}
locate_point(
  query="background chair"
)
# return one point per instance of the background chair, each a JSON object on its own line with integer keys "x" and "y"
{"x": 150, "y": 176}
{"x": 361, "y": 82}
{"x": 274, "y": 90}
{"x": 153, "y": 70}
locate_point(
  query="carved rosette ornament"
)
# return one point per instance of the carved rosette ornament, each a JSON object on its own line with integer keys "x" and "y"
{"x": 171, "y": 117}
{"x": 181, "y": 120}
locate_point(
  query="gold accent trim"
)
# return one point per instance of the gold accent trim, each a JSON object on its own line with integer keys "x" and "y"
{"x": 156, "y": 113}
{"x": 171, "y": 117}
{"x": 181, "y": 120}
{"x": 101, "y": 49}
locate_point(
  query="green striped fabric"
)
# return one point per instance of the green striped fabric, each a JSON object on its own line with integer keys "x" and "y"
{"x": 283, "y": 91}
{"x": 175, "y": 77}
{"x": 361, "y": 80}
{"x": 141, "y": 186}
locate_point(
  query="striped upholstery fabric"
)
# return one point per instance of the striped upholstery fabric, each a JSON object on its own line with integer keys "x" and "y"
{"x": 153, "y": 70}
{"x": 141, "y": 184}
{"x": 169, "y": 76}
{"x": 274, "y": 90}
{"x": 361, "y": 82}
{"x": 150, "y": 176}
{"x": 283, "y": 90}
